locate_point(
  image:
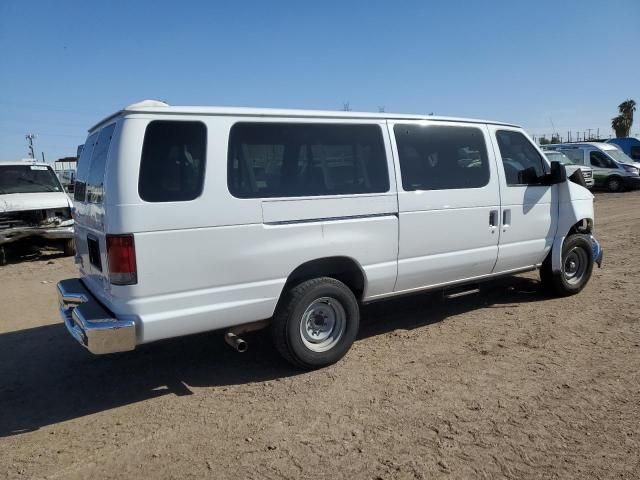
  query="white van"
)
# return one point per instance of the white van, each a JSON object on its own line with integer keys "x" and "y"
{"x": 612, "y": 169}
{"x": 191, "y": 219}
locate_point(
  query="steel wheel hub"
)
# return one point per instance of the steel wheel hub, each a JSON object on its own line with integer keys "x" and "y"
{"x": 323, "y": 323}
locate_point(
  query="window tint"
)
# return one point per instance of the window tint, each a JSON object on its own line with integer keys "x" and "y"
{"x": 523, "y": 165}
{"x": 95, "y": 180}
{"x": 84, "y": 162}
{"x": 294, "y": 160}
{"x": 173, "y": 161}
{"x": 600, "y": 160}
{"x": 441, "y": 157}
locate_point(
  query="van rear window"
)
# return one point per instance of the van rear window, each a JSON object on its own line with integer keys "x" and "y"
{"x": 173, "y": 161}
{"x": 299, "y": 160}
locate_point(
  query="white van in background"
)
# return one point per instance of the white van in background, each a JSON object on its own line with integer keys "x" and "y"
{"x": 612, "y": 169}
{"x": 190, "y": 219}
{"x": 570, "y": 166}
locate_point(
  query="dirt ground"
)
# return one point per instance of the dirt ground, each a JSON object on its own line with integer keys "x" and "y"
{"x": 505, "y": 384}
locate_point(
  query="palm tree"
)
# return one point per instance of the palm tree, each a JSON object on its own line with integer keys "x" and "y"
{"x": 623, "y": 122}
{"x": 619, "y": 125}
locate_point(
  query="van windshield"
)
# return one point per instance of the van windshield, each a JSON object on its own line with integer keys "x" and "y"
{"x": 27, "y": 179}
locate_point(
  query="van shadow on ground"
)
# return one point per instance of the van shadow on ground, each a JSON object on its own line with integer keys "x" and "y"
{"x": 45, "y": 378}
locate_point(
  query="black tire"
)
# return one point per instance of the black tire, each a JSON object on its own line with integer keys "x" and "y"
{"x": 316, "y": 300}
{"x": 69, "y": 248}
{"x": 3, "y": 256}
{"x": 615, "y": 184}
{"x": 577, "y": 266}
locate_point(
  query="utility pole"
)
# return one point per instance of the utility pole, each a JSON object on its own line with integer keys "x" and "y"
{"x": 381, "y": 109}
{"x": 346, "y": 107}
{"x": 30, "y": 137}
{"x": 589, "y": 130}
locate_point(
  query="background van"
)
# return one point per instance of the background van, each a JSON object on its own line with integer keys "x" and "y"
{"x": 612, "y": 169}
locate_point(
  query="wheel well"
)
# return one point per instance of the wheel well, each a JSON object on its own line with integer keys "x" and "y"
{"x": 344, "y": 269}
{"x": 583, "y": 226}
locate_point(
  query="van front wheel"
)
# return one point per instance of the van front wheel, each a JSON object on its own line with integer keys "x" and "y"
{"x": 316, "y": 323}
{"x": 577, "y": 265}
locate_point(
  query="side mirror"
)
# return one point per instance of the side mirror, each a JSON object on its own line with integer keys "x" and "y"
{"x": 558, "y": 173}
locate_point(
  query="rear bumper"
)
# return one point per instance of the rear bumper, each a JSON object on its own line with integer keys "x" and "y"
{"x": 91, "y": 324}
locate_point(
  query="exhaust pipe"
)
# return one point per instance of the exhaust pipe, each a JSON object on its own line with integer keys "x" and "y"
{"x": 235, "y": 342}
{"x": 232, "y": 336}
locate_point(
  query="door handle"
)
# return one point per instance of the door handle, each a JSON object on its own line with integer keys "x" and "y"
{"x": 493, "y": 219}
{"x": 506, "y": 219}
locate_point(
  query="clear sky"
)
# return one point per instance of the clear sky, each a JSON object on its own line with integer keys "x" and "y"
{"x": 66, "y": 64}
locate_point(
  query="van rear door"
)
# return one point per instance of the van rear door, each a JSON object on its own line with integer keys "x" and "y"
{"x": 89, "y": 201}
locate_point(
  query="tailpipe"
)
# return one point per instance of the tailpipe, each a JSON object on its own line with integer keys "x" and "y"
{"x": 233, "y": 339}
{"x": 235, "y": 342}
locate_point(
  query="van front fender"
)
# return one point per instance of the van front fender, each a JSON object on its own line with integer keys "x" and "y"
{"x": 574, "y": 215}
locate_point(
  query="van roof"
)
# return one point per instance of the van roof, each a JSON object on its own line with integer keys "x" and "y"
{"x": 601, "y": 145}
{"x": 156, "y": 107}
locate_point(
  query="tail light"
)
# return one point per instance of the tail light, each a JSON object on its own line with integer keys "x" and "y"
{"x": 121, "y": 252}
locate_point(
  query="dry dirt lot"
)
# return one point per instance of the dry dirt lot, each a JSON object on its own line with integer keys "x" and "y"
{"x": 506, "y": 384}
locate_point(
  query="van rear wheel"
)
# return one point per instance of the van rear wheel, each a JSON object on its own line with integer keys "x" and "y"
{"x": 577, "y": 265}
{"x": 316, "y": 323}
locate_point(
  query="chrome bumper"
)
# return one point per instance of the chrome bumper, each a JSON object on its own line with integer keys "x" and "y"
{"x": 90, "y": 324}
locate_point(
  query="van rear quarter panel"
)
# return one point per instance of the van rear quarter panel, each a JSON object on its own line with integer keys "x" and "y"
{"x": 219, "y": 261}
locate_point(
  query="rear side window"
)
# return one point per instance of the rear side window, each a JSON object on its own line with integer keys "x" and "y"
{"x": 635, "y": 153}
{"x": 441, "y": 157}
{"x": 575, "y": 154}
{"x": 297, "y": 160}
{"x": 95, "y": 180}
{"x": 84, "y": 162}
{"x": 173, "y": 161}
{"x": 523, "y": 165}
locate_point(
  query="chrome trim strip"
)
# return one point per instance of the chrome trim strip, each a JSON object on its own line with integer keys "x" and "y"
{"x": 333, "y": 219}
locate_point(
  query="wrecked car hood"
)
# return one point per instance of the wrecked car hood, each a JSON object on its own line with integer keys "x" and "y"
{"x": 17, "y": 202}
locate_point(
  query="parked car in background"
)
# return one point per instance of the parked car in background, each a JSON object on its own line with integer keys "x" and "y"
{"x": 612, "y": 169}
{"x": 571, "y": 167}
{"x": 190, "y": 219}
{"x": 629, "y": 145}
{"x": 34, "y": 208}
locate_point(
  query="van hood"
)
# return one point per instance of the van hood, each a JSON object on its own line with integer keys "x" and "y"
{"x": 17, "y": 202}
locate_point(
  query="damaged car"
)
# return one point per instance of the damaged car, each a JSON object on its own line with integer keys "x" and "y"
{"x": 35, "y": 211}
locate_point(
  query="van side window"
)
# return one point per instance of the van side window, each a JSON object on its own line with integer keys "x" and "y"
{"x": 439, "y": 157}
{"x": 299, "y": 160}
{"x": 95, "y": 181}
{"x": 600, "y": 160}
{"x": 84, "y": 162}
{"x": 575, "y": 154}
{"x": 173, "y": 161}
{"x": 523, "y": 165}
{"x": 635, "y": 153}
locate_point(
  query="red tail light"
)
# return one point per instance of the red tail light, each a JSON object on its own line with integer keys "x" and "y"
{"x": 121, "y": 251}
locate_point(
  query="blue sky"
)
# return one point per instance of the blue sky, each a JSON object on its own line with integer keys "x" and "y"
{"x": 66, "y": 64}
